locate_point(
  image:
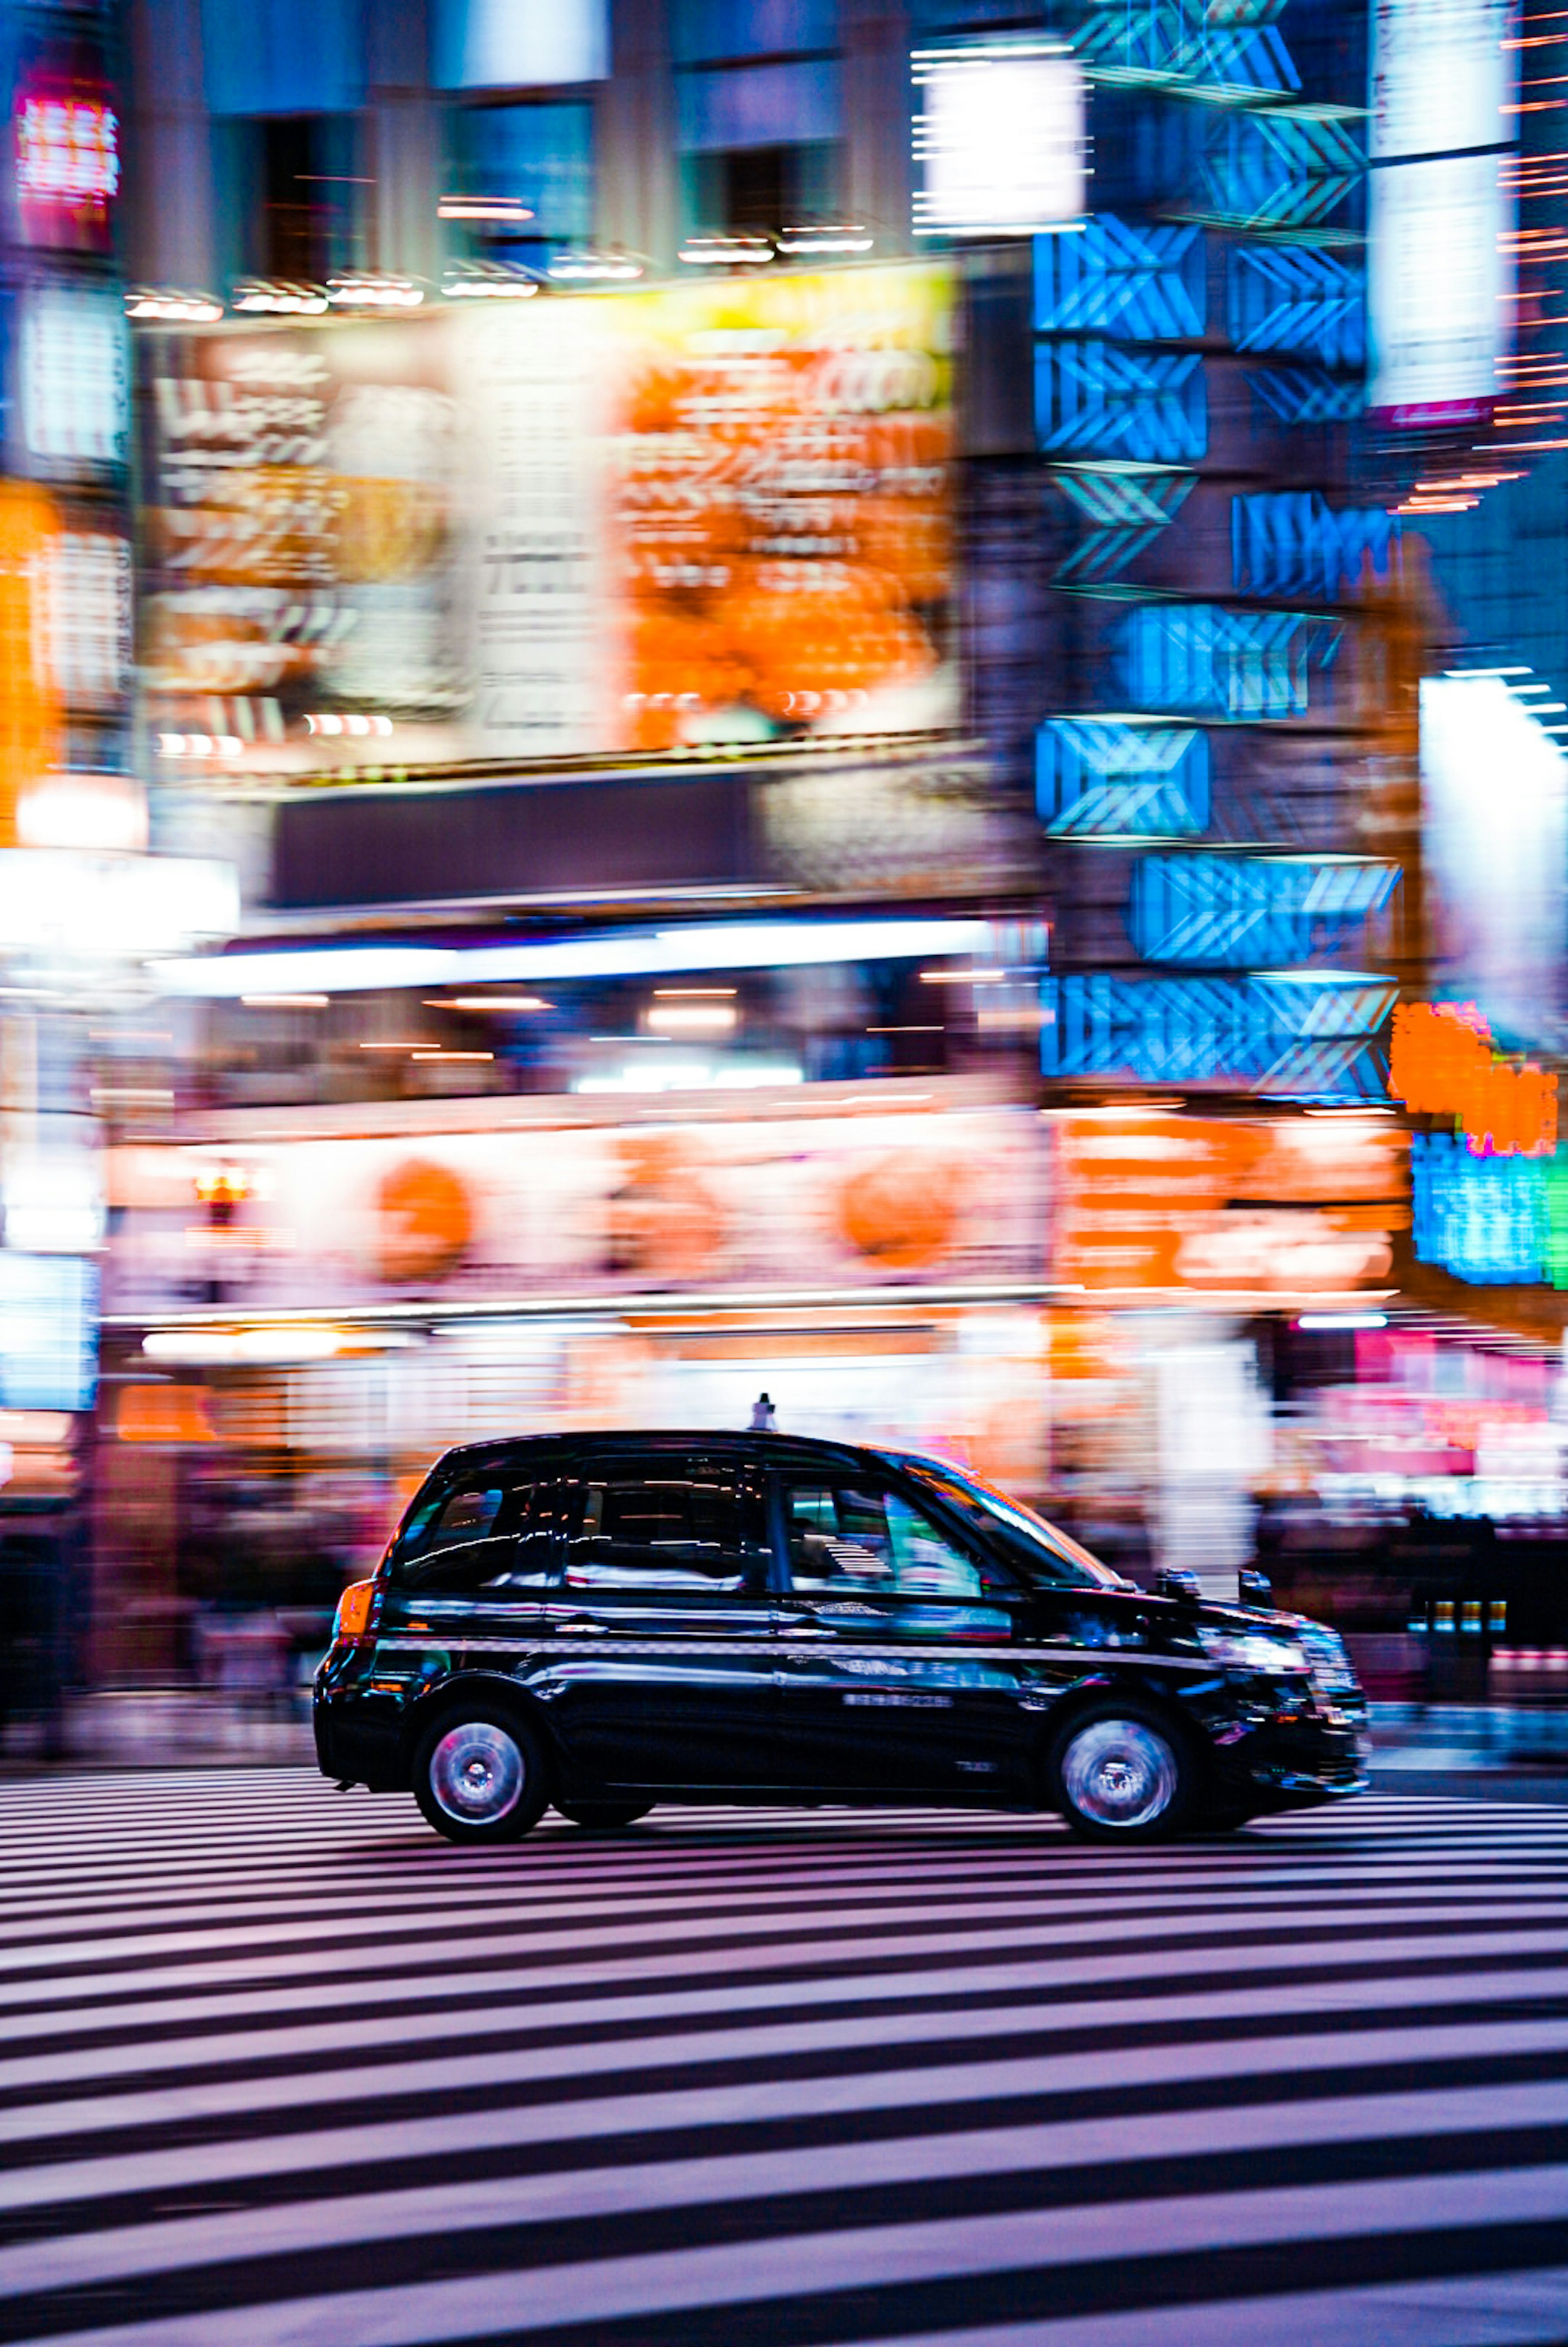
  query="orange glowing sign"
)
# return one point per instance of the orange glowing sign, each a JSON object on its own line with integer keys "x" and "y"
{"x": 30, "y": 742}
{"x": 1442, "y": 1063}
{"x": 1289, "y": 1205}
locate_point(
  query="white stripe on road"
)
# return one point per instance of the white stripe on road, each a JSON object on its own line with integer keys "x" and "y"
{"x": 157, "y": 2052}
{"x": 1426, "y": 2043}
{"x": 727, "y": 2180}
{"x": 464, "y": 1983}
{"x": 692, "y": 2110}
{"x": 1501, "y": 2309}
{"x": 753, "y": 2273}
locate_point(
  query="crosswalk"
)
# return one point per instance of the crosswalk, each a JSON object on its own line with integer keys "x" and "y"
{"x": 278, "y": 2069}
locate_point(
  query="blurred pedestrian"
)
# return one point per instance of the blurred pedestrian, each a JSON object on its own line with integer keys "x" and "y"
{"x": 763, "y": 1420}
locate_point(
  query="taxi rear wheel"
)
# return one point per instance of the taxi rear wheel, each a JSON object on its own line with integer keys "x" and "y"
{"x": 478, "y": 1775}
{"x": 1123, "y": 1773}
{"x": 604, "y": 1814}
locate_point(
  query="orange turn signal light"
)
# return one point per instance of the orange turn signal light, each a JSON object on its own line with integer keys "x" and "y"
{"x": 354, "y": 1610}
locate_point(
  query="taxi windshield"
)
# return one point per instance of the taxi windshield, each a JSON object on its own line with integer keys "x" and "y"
{"x": 1035, "y": 1547}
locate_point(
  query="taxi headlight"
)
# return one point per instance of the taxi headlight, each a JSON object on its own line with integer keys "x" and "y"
{"x": 1260, "y": 1651}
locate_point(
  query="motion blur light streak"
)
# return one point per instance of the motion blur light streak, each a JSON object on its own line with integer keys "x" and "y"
{"x": 347, "y": 970}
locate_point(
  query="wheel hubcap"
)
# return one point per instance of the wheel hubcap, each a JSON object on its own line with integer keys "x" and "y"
{"x": 1117, "y": 1772}
{"x": 477, "y": 1773}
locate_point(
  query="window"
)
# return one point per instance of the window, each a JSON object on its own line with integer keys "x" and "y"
{"x": 283, "y": 57}
{"x": 541, "y": 155}
{"x": 705, "y": 30}
{"x": 874, "y": 1542}
{"x": 686, "y": 1527}
{"x": 478, "y": 1535}
{"x": 1046, "y": 1555}
{"x": 759, "y": 110}
{"x": 520, "y": 44}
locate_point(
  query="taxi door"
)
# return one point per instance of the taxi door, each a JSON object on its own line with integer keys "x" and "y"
{"x": 897, "y": 1663}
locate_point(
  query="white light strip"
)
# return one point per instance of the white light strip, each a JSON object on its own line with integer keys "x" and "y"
{"x": 738, "y": 945}
{"x": 1343, "y": 1320}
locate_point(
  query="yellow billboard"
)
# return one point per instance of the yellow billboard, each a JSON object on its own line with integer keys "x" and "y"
{"x": 710, "y": 511}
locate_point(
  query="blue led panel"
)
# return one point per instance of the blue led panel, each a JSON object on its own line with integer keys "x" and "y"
{"x": 1244, "y": 912}
{"x": 1299, "y": 1038}
{"x": 1483, "y": 1219}
{"x": 48, "y": 1331}
{"x": 1098, "y": 778}
{"x": 1294, "y": 544}
{"x": 1298, "y": 300}
{"x": 1156, "y": 43}
{"x": 1306, "y": 394}
{"x": 1127, "y": 506}
{"x": 1201, "y": 658}
{"x": 1280, "y": 170}
{"x": 1100, "y": 400}
{"x": 1132, "y": 283}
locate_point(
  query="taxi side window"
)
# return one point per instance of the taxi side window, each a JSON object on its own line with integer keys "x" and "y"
{"x": 872, "y": 1541}
{"x": 479, "y": 1535}
{"x": 681, "y": 1525}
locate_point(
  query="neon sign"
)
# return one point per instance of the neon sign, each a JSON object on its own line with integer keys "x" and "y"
{"x": 67, "y": 166}
{"x": 1441, "y": 1064}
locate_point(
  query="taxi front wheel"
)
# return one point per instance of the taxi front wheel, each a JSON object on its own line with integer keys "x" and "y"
{"x": 1121, "y": 1772}
{"x": 478, "y": 1775}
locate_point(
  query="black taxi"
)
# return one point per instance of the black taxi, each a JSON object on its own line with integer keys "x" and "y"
{"x": 602, "y": 1622}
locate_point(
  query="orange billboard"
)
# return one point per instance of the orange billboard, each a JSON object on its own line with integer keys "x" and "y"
{"x": 1288, "y": 1205}
{"x": 712, "y": 511}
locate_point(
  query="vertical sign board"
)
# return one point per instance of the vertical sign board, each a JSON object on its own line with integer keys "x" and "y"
{"x": 1494, "y": 798}
{"x": 999, "y": 140}
{"x": 538, "y": 409}
{"x": 1441, "y": 82}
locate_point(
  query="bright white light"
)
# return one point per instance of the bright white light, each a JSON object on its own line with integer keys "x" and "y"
{"x": 83, "y": 811}
{"x": 1495, "y": 789}
{"x": 277, "y": 297}
{"x": 589, "y": 267}
{"x": 738, "y": 945}
{"x": 374, "y": 291}
{"x": 1342, "y": 1320}
{"x": 491, "y": 1002}
{"x": 1440, "y": 78}
{"x": 486, "y": 281}
{"x": 690, "y": 1018}
{"x": 105, "y": 907}
{"x": 146, "y": 303}
{"x": 1440, "y": 211}
{"x": 999, "y": 140}
{"x": 52, "y": 1198}
{"x": 262, "y": 1348}
{"x": 483, "y": 208}
{"x": 794, "y": 241}
{"x": 75, "y": 374}
{"x": 675, "y": 1071}
{"x": 520, "y": 44}
{"x": 724, "y": 252}
{"x": 88, "y": 612}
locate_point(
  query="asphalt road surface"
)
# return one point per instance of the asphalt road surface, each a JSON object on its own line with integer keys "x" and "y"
{"x": 281, "y": 2066}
